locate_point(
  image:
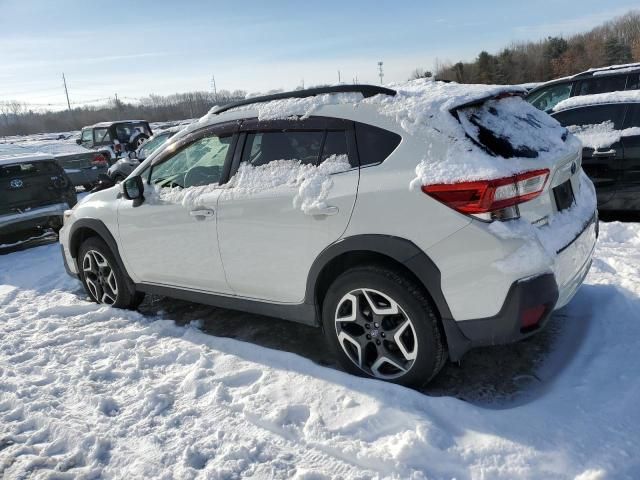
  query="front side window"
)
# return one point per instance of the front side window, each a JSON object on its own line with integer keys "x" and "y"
{"x": 633, "y": 81}
{"x": 262, "y": 148}
{"x": 199, "y": 163}
{"x": 601, "y": 84}
{"x": 547, "y": 98}
{"x": 87, "y": 136}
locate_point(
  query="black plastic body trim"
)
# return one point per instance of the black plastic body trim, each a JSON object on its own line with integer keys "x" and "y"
{"x": 365, "y": 90}
{"x": 505, "y": 326}
{"x": 399, "y": 249}
{"x": 64, "y": 262}
{"x": 103, "y": 232}
{"x": 301, "y": 313}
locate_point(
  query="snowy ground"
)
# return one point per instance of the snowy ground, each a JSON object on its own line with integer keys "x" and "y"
{"x": 89, "y": 391}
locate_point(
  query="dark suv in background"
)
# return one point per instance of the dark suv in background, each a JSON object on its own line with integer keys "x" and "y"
{"x": 118, "y": 137}
{"x": 595, "y": 80}
{"x": 34, "y": 193}
{"x": 610, "y": 134}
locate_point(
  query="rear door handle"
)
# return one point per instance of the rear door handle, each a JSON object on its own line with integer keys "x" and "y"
{"x": 201, "y": 214}
{"x": 608, "y": 153}
{"x": 328, "y": 210}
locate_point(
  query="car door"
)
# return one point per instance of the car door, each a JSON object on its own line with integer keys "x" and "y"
{"x": 170, "y": 238}
{"x": 629, "y": 190}
{"x": 292, "y": 194}
{"x": 602, "y": 153}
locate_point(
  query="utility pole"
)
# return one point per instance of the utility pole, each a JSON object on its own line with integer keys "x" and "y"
{"x": 213, "y": 86}
{"x": 66, "y": 92}
{"x": 380, "y": 72}
{"x": 338, "y": 76}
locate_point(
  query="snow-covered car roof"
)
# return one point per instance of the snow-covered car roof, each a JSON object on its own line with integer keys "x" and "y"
{"x": 623, "y": 96}
{"x": 436, "y": 112}
{"x": 108, "y": 124}
{"x": 610, "y": 70}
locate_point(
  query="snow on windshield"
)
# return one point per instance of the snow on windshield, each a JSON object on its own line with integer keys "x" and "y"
{"x": 601, "y": 135}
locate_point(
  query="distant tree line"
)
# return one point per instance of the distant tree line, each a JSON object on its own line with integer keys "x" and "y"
{"x": 614, "y": 42}
{"x": 17, "y": 118}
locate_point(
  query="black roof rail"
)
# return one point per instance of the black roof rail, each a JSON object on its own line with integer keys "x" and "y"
{"x": 365, "y": 90}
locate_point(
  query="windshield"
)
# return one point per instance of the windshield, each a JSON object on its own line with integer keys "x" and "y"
{"x": 547, "y": 98}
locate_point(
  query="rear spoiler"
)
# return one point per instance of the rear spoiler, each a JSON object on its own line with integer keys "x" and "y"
{"x": 507, "y": 92}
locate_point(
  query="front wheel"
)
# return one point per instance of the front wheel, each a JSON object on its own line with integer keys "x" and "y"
{"x": 102, "y": 278}
{"x": 381, "y": 324}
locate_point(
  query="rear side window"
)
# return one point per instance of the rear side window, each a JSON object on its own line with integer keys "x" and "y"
{"x": 601, "y": 84}
{"x": 633, "y": 81}
{"x": 22, "y": 170}
{"x": 593, "y": 115}
{"x": 375, "y": 144}
{"x": 308, "y": 147}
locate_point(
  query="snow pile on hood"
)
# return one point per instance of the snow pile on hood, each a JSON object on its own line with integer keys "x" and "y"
{"x": 601, "y": 135}
{"x": 313, "y": 183}
{"x": 542, "y": 243}
{"x": 609, "y": 97}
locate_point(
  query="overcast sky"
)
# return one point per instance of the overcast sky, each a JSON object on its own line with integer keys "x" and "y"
{"x": 136, "y": 48}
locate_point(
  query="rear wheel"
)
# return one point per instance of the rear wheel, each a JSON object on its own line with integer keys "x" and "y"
{"x": 380, "y": 324}
{"x": 102, "y": 278}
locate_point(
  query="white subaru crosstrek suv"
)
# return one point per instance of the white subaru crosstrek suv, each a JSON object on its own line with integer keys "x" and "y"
{"x": 411, "y": 224}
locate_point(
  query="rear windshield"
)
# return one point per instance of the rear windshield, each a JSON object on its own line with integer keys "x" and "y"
{"x": 21, "y": 170}
{"x": 511, "y": 127}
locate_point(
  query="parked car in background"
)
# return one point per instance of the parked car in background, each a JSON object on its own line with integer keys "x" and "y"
{"x": 82, "y": 166}
{"x": 609, "y": 127}
{"x": 593, "y": 81}
{"x": 34, "y": 193}
{"x": 315, "y": 221}
{"x": 119, "y": 138}
{"x": 124, "y": 166}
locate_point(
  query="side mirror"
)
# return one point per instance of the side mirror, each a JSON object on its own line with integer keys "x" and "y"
{"x": 133, "y": 188}
{"x": 79, "y": 141}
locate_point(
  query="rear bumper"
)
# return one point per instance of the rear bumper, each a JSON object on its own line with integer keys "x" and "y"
{"x": 506, "y": 326}
{"x": 542, "y": 293}
{"x": 32, "y": 218}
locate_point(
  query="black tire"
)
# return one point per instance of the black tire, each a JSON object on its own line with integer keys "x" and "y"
{"x": 137, "y": 142}
{"x": 421, "y": 338}
{"x": 118, "y": 177}
{"x": 99, "y": 284}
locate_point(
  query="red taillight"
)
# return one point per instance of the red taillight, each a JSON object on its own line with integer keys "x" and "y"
{"x": 99, "y": 161}
{"x": 531, "y": 316}
{"x": 485, "y": 196}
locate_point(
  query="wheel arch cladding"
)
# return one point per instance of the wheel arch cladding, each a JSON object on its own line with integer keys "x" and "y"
{"x": 90, "y": 227}
{"x": 389, "y": 251}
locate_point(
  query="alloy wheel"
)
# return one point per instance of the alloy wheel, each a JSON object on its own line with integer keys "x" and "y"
{"x": 100, "y": 277}
{"x": 375, "y": 333}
